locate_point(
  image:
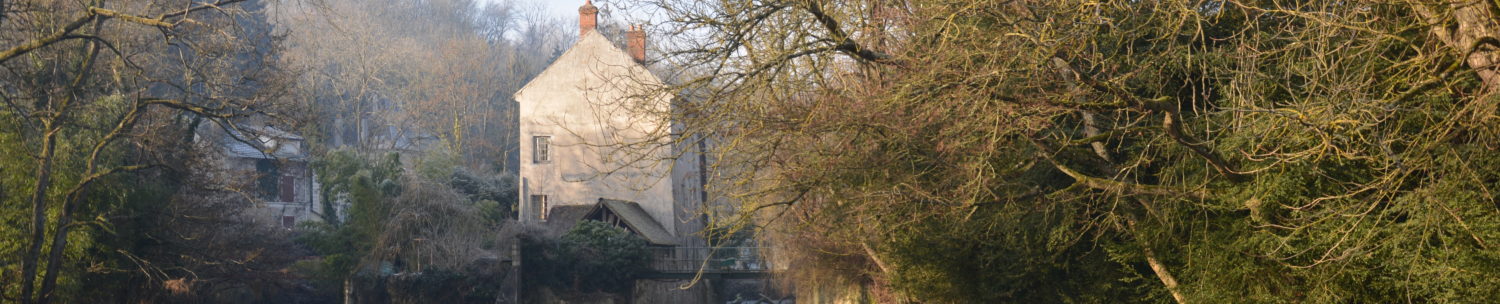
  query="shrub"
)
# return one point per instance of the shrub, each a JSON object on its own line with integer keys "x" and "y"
{"x": 593, "y": 256}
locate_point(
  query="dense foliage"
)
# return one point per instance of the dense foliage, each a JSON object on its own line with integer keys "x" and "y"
{"x": 592, "y": 257}
{"x": 1084, "y": 151}
{"x": 365, "y": 186}
{"x": 949, "y": 151}
{"x": 102, "y": 174}
{"x": 494, "y": 196}
{"x": 401, "y": 228}
{"x": 114, "y": 181}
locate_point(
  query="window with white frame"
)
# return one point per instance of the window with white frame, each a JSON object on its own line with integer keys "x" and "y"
{"x": 541, "y": 146}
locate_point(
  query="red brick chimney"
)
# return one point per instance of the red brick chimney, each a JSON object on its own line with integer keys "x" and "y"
{"x": 636, "y": 40}
{"x": 588, "y": 18}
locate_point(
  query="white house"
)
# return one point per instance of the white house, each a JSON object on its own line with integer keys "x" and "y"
{"x": 275, "y": 165}
{"x": 598, "y": 143}
{"x": 595, "y": 126}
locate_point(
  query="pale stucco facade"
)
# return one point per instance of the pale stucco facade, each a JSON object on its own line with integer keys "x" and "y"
{"x": 609, "y": 136}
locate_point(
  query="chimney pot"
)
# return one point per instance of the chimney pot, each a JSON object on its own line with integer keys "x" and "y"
{"x": 588, "y": 18}
{"x": 636, "y": 40}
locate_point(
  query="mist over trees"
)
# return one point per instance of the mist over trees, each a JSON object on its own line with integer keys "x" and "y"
{"x": 110, "y": 190}
{"x": 101, "y": 101}
{"x": 403, "y": 75}
{"x": 418, "y": 135}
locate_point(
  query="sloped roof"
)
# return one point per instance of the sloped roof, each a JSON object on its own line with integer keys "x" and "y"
{"x": 272, "y": 131}
{"x": 637, "y": 220}
{"x": 592, "y": 49}
{"x": 562, "y": 218}
{"x": 240, "y": 149}
{"x": 288, "y": 146}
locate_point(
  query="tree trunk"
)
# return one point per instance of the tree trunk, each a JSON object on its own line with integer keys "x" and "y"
{"x": 884, "y": 269}
{"x": 1166, "y": 276}
{"x": 1167, "y": 280}
{"x": 60, "y": 233}
{"x": 1091, "y": 129}
{"x": 1473, "y": 35}
{"x": 55, "y": 255}
{"x": 39, "y": 213}
{"x": 348, "y": 290}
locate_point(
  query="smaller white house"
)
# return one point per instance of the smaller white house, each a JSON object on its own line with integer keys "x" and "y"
{"x": 274, "y": 166}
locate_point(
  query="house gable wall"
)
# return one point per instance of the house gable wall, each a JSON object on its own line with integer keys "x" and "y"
{"x": 608, "y": 138}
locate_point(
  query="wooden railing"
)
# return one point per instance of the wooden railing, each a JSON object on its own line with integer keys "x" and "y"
{"x": 709, "y": 259}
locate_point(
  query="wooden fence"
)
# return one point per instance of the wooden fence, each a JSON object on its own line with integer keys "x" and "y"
{"x": 709, "y": 259}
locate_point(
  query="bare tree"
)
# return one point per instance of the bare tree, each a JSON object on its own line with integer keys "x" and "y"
{"x": 85, "y": 78}
{"x": 403, "y": 71}
{"x": 844, "y": 128}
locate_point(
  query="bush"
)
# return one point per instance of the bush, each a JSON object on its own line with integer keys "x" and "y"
{"x": 495, "y": 196}
{"x": 593, "y": 256}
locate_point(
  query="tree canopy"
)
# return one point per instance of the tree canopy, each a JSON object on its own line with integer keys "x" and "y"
{"x": 1085, "y": 151}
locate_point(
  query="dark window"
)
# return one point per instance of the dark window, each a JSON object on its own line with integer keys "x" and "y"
{"x": 540, "y": 202}
{"x": 288, "y": 221}
{"x": 540, "y": 147}
{"x": 351, "y": 135}
{"x": 268, "y": 178}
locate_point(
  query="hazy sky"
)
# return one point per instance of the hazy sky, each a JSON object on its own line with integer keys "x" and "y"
{"x": 567, "y": 10}
{"x": 563, "y": 8}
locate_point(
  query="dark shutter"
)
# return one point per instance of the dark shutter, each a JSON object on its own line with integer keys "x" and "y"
{"x": 288, "y": 188}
